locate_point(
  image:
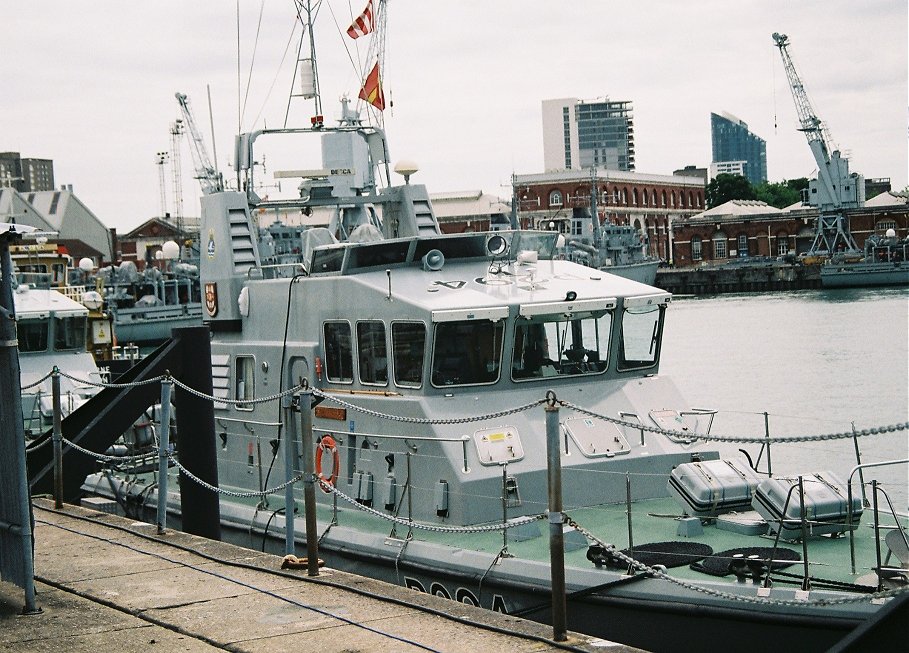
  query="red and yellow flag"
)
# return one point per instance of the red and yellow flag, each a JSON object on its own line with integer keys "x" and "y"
{"x": 372, "y": 89}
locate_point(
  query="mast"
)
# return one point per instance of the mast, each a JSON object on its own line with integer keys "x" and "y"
{"x": 593, "y": 206}
{"x": 306, "y": 68}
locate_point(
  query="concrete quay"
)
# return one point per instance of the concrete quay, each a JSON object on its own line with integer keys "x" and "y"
{"x": 105, "y": 583}
{"x": 719, "y": 279}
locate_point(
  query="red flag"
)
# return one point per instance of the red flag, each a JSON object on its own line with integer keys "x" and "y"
{"x": 363, "y": 24}
{"x": 372, "y": 89}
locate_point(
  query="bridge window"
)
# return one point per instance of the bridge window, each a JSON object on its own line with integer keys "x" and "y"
{"x": 641, "y": 333}
{"x": 32, "y": 335}
{"x": 69, "y": 333}
{"x": 338, "y": 353}
{"x": 467, "y": 352}
{"x": 245, "y": 380}
{"x": 372, "y": 352}
{"x": 552, "y": 345}
{"x": 408, "y": 342}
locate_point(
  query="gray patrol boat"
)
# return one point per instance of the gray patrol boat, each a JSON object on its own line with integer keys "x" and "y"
{"x": 442, "y": 365}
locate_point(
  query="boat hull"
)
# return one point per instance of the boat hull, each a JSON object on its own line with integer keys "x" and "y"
{"x": 644, "y": 272}
{"x": 149, "y": 326}
{"x": 855, "y": 275}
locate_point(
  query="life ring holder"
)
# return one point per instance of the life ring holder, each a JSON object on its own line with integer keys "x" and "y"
{"x": 327, "y": 444}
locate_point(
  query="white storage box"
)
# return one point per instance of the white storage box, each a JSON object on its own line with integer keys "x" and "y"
{"x": 713, "y": 487}
{"x": 825, "y": 505}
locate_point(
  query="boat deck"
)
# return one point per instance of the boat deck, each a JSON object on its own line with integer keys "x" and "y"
{"x": 657, "y": 521}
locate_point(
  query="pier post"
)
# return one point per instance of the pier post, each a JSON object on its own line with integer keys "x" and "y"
{"x": 556, "y": 536}
{"x": 290, "y": 462}
{"x": 57, "y": 439}
{"x": 163, "y": 450}
{"x": 16, "y": 538}
{"x": 309, "y": 484}
{"x": 196, "y": 430}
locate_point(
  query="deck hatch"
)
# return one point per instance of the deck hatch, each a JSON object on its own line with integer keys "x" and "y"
{"x": 498, "y": 445}
{"x": 596, "y": 438}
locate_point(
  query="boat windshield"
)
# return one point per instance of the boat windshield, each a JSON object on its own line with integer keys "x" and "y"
{"x": 554, "y": 345}
{"x": 641, "y": 333}
{"x": 467, "y": 352}
{"x": 69, "y": 333}
{"x": 32, "y": 335}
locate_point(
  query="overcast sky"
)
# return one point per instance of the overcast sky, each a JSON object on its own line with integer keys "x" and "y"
{"x": 90, "y": 84}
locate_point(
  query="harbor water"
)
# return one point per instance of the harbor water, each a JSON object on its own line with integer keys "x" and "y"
{"x": 817, "y": 361}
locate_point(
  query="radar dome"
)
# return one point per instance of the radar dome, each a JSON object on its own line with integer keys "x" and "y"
{"x": 406, "y": 168}
{"x": 891, "y": 233}
{"x": 170, "y": 250}
{"x": 86, "y": 264}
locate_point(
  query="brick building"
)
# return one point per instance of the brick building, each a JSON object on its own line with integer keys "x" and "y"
{"x": 648, "y": 202}
{"x": 744, "y": 228}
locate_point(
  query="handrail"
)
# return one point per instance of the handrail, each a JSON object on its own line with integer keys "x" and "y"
{"x": 623, "y": 414}
{"x": 877, "y": 527}
{"x": 247, "y": 421}
{"x": 882, "y": 463}
{"x": 464, "y": 439}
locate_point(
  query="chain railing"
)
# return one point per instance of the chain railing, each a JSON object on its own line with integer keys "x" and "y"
{"x": 556, "y": 517}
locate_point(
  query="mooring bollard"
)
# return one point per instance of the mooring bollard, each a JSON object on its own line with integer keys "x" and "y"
{"x": 556, "y": 537}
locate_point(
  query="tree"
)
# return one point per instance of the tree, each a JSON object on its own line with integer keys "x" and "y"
{"x": 725, "y": 187}
{"x": 781, "y": 194}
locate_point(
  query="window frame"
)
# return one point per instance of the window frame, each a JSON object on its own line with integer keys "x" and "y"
{"x": 341, "y": 380}
{"x": 395, "y": 366}
{"x": 360, "y": 353}
{"x": 249, "y": 388}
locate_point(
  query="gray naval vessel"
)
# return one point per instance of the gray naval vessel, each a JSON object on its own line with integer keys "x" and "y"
{"x": 467, "y": 385}
{"x": 436, "y": 361}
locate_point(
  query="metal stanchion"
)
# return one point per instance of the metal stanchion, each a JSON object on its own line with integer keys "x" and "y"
{"x": 290, "y": 463}
{"x": 163, "y": 449}
{"x": 57, "y": 439}
{"x": 556, "y": 536}
{"x": 309, "y": 484}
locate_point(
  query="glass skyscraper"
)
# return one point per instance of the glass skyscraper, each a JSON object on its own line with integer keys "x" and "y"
{"x": 579, "y": 134}
{"x": 733, "y": 142}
